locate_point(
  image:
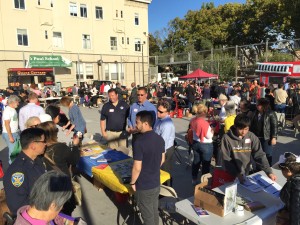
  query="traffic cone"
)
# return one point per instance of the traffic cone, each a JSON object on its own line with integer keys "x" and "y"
{"x": 1, "y": 170}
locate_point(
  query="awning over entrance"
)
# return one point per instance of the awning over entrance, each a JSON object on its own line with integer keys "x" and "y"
{"x": 42, "y": 61}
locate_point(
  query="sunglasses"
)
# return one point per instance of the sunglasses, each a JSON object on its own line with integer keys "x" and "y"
{"x": 161, "y": 111}
{"x": 44, "y": 141}
{"x": 288, "y": 154}
{"x": 140, "y": 94}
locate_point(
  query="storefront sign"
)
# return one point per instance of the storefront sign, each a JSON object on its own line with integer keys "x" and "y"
{"x": 43, "y": 61}
{"x": 31, "y": 73}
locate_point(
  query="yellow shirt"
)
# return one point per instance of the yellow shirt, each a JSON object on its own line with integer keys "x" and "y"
{"x": 228, "y": 122}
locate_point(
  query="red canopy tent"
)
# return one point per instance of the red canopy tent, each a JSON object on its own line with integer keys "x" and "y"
{"x": 200, "y": 74}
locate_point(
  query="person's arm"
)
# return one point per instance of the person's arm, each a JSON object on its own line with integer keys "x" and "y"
{"x": 163, "y": 158}
{"x": 228, "y": 162}
{"x": 21, "y": 120}
{"x": 136, "y": 170}
{"x": 65, "y": 126}
{"x": 7, "y": 126}
{"x": 103, "y": 128}
{"x": 273, "y": 128}
{"x": 260, "y": 157}
{"x": 294, "y": 201}
{"x": 70, "y": 129}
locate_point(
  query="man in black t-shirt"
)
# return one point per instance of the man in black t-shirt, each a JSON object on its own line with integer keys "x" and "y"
{"x": 113, "y": 120}
{"x": 148, "y": 155}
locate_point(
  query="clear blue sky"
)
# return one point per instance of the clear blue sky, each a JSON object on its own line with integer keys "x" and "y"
{"x": 162, "y": 11}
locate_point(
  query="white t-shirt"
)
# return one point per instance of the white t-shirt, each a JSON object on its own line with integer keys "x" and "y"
{"x": 106, "y": 88}
{"x": 10, "y": 114}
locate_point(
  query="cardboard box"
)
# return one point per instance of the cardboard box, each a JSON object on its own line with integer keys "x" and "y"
{"x": 209, "y": 200}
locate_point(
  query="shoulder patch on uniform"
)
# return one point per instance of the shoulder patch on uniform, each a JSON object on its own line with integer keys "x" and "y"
{"x": 17, "y": 179}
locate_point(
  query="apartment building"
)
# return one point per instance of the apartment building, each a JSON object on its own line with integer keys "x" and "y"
{"x": 46, "y": 41}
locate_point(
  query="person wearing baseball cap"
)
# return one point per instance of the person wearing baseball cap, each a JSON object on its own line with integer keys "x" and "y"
{"x": 289, "y": 164}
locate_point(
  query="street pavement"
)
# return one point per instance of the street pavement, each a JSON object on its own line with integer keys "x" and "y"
{"x": 102, "y": 208}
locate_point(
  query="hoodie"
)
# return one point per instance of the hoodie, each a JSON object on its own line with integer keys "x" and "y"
{"x": 236, "y": 153}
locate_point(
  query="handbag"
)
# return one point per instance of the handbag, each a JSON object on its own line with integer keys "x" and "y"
{"x": 17, "y": 149}
{"x": 76, "y": 186}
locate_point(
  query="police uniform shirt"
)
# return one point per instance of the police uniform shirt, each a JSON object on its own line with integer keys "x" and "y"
{"x": 19, "y": 179}
{"x": 115, "y": 116}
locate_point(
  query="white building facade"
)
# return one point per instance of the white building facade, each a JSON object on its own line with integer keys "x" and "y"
{"x": 81, "y": 41}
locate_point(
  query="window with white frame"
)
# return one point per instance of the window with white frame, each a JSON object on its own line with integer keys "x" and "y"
{"x": 20, "y": 4}
{"x": 128, "y": 40}
{"x": 123, "y": 41}
{"x": 99, "y": 12}
{"x": 113, "y": 43}
{"x": 79, "y": 71}
{"x": 136, "y": 19}
{"x": 89, "y": 71}
{"x": 121, "y": 14}
{"x": 83, "y": 10}
{"x": 86, "y": 41}
{"x": 73, "y": 9}
{"x": 137, "y": 44}
{"x": 51, "y": 3}
{"x": 57, "y": 40}
{"x": 117, "y": 13}
{"x": 22, "y": 37}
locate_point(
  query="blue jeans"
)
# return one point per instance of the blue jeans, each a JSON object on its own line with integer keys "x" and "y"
{"x": 190, "y": 105}
{"x": 280, "y": 108}
{"x": 202, "y": 154}
{"x": 10, "y": 145}
{"x": 268, "y": 149}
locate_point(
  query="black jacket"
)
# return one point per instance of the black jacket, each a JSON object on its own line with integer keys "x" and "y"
{"x": 290, "y": 195}
{"x": 190, "y": 93}
{"x": 270, "y": 128}
{"x": 133, "y": 96}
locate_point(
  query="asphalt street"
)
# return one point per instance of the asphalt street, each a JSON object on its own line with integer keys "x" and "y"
{"x": 102, "y": 208}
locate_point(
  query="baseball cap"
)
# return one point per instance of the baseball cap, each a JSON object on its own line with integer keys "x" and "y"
{"x": 45, "y": 118}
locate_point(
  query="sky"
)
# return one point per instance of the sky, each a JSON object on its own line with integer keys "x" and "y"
{"x": 162, "y": 11}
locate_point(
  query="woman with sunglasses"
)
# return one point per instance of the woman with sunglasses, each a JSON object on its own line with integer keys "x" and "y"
{"x": 59, "y": 156}
{"x": 289, "y": 164}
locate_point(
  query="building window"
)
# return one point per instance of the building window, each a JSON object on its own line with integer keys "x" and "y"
{"x": 73, "y": 9}
{"x": 22, "y": 37}
{"x": 99, "y": 12}
{"x": 86, "y": 41}
{"x": 121, "y": 14}
{"x": 83, "y": 10}
{"x": 20, "y": 4}
{"x": 39, "y": 2}
{"x": 46, "y": 34}
{"x": 89, "y": 71}
{"x": 128, "y": 40}
{"x": 113, "y": 43}
{"x": 137, "y": 45}
{"x": 122, "y": 40}
{"x": 79, "y": 71}
{"x": 51, "y": 3}
{"x": 57, "y": 40}
{"x": 136, "y": 19}
{"x": 117, "y": 13}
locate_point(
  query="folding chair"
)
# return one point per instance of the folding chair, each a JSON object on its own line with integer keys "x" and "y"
{"x": 166, "y": 207}
{"x": 176, "y": 152}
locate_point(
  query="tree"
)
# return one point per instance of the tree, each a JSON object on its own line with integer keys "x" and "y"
{"x": 154, "y": 48}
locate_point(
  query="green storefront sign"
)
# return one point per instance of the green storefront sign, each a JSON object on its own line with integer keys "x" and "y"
{"x": 46, "y": 61}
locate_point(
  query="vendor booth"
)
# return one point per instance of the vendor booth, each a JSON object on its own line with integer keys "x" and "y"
{"x": 19, "y": 76}
{"x": 278, "y": 72}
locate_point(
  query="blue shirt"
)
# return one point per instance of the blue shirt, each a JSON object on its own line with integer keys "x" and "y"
{"x": 166, "y": 129}
{"x": 76, "y": 118}
{"x": 138, "y": 107}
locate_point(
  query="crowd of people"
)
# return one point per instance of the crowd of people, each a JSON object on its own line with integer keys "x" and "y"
{"x": 234, "y": 124}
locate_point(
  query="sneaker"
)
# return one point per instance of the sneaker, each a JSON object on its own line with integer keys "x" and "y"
{"x": 83, "y": 105}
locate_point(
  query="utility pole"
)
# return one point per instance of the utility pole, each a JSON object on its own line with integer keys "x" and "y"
{"x": 236, "y": 62}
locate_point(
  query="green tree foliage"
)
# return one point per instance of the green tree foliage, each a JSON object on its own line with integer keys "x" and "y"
{"x": 154, "y": 45}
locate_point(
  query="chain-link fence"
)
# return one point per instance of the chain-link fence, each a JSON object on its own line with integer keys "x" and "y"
{"x": 233, "y": 61}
